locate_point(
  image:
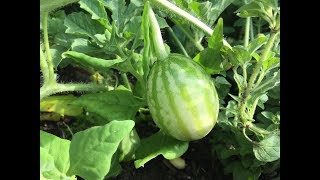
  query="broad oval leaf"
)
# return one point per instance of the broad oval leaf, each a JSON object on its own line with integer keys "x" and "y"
{"x": 54, "y": 157}
{"x": 57, "y": 148}
{"x": 129, "y": 145}
{"x": 92, "y": 150}
{"x": 268, "y": 149}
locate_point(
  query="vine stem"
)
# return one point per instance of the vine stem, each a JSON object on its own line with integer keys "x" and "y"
{"x": 247, "y": 31}
{"x": 185, "y": 15}
{"x": 247, "y": 137}
{"x": 44, "y": 67}
{"x": 251, "y": 29}
{"x": 258, "y": 66}
{"x": 57, "y": 88}
{"x": 175, "y": 38}
{"x": 51, "y": 78}
{"x": 262, "y": 59}
{"x": 125, "y": 80}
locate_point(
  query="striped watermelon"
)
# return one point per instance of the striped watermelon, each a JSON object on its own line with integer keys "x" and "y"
{"x": 182, "y": 98}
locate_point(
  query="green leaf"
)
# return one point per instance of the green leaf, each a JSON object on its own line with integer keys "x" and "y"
{"x": 58, "y": 148}
{"x": 217, "y": 8}
{"x": 120, "y": 12}
{"x": 223, "y": 120}
{"x": 55, "y": 22}
{"x": 241, "y": 173}
{"x": 215, "y": 41}
{"x": 91, "y": 150}
{"x": 54, "y": 156}
{"x": 264, "y": 98}
{"x": 49, "y": 5}
{"x": 256, "y": 44}
{"x": 159, "y": 143}
{"x": 111, "y": 105}
{"x": 222, "y": 86}
{"x": 271, "y": 63}
{"x": 83, "y": 45}
{"x": 56, "y": 52}
{"x": 238, "y": 56}
{"x": 211, "y": 60}
{"x": 133, "y": 64}
{"x": 96, "y": 9}
{"x": 252, "y": 9}
{"x": 48, "y": 169}
{"x": 61, "y": 105}
{"x": 208, "y": 12}
{"x": 79, "y": 23}
{"x": 129, "y": 145}
{"x": 274, "y": 117}
{"x": 267, "y": 84}
{"x": 256, "y": 9}
{"x": 133, "y": 28}
{"x": 63, "y": 39}
{"x": 272, "y": 3}
{"x": 91, "y": 62}
{"x": 161, "y": 21}
{"x": 268, "y": 149}
{"x": 232, "y": 109}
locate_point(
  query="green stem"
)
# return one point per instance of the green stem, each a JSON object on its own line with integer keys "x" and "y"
{"x": 196, "y": 43}
{"x": 246, "y": 33}
{"x": 44, "y": 67}
{"x": 251, "y": 30}
{"x": 247, "y": 137}
{"x": 256, "y": 129}
{"x": 259, "y": 25}
{"x": 156, "y": 37}
{"x": 244, "y": 69}
{"x": 262, "y": 59}
{"x": 57, "y": 88}
{"x": 254, "y": 105}
{"x": 245, "y": 94}
{"x": 51, "y": 78}
{"x": 125, "y": 80}
{"x": 175, "y": 38}
{"x": 260, "y": 78}
{"x": 187, "y": 16}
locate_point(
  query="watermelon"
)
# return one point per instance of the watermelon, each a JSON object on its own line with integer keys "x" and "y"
{"x": 182, "y": 99}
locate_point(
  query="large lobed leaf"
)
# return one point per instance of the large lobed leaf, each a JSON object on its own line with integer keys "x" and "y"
{"x": 79, "y": 23}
